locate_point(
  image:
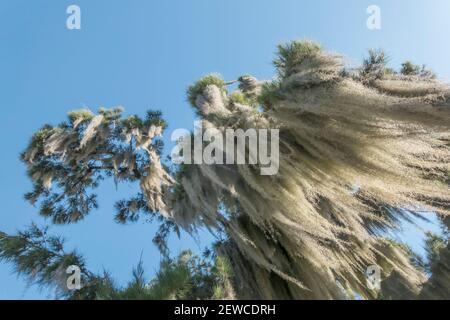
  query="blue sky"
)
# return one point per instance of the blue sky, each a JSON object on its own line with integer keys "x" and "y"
{"x": 143, "y": 55}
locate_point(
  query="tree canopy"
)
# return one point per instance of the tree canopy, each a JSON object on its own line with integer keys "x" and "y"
{"x": 360, "y": 150}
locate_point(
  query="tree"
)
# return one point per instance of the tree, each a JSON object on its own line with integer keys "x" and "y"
{"x": 41, "y": 258}
{"x": 411, "y": 69}
{"x": 358, "y": 152}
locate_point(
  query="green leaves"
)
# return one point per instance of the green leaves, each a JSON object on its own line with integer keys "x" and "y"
{"x": 40, "y": 258}
{"x": 270, "y": 94}
{"x": 434, "y": 244}
{"x": 374, "y": 65}
{"x": 294, "y": 53}
{"x": 197, "y": 88}
{"x": 411, "y": 69}
{"x": 67, "y": 162}
{"x": 77, "y": 116}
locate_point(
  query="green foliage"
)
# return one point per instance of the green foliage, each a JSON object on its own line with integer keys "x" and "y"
{"x": 389, "y": 71}
{"x": 67, "y": 163}
{"x": 409, "y": 69}
{"x": 434, "y": 244}
{"x": 39, "y": 137}
{"x": 374, "y": 66}
{"x": 155, "y": 118}
{"x": 179, "y": 171}
{"x": 81, "y": 114}
{"x": 77, "y": 158}
{"x": 41, "y": 259}
{"x": 132, "y": 122}
{"x": 165, "y": 228}
{"x": 223, "y": 271}
{"x": 173, "y": 280}
{"x": 195, "y": 89}
{"x": 111, "y": 114}
{"x": 130, "y": 210}
{"x": 294, "y": 53}
{"x": 185, "y": 277}
{"x": 270, "y": 94}
{"x": 222, "y": 268}
{"x": 240, "y": 98}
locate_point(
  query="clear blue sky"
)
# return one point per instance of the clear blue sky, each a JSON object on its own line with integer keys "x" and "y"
{"x": 143, "y": 54}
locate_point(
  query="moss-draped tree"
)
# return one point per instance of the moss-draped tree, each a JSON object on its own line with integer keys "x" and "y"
{"x": 360, "y": 150}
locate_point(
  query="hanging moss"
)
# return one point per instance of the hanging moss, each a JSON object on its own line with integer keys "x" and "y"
{"x": 305, "y": 232}
{"x": 197, "y": 88}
